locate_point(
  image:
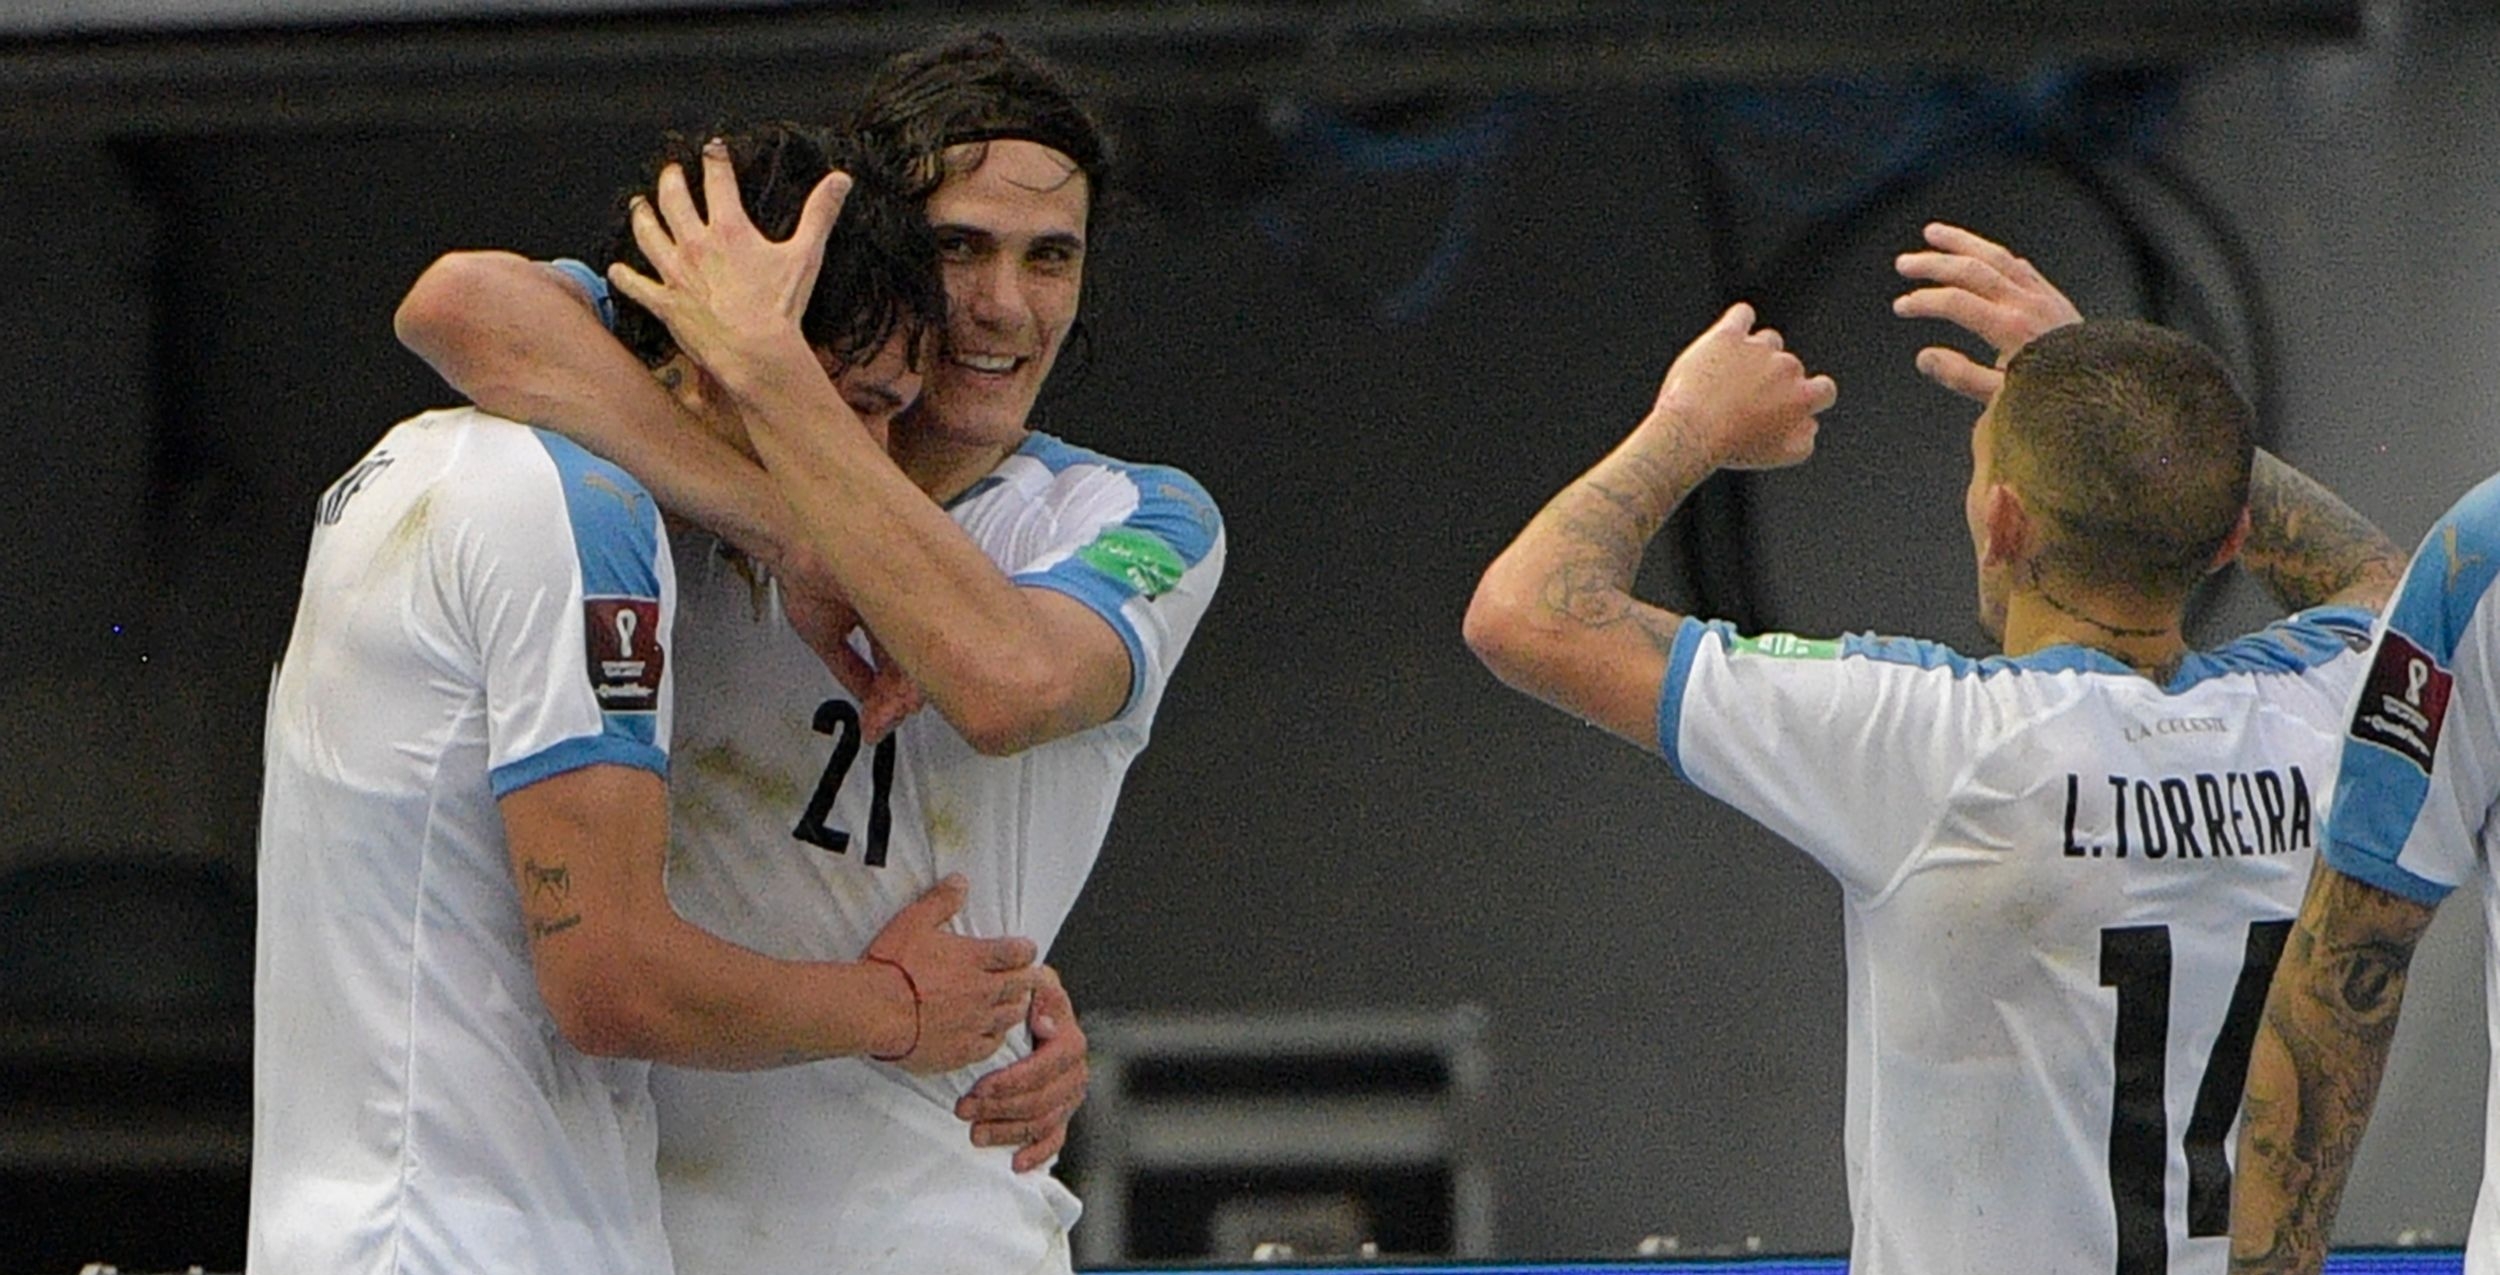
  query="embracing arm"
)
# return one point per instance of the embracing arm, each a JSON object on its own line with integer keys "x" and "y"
{"x": 519, "y": 339}
{"x": 624, "y": 976}
{"x": 1009, "y": 667}
{"x": 2315, "y": 1068}
{"x": 1554, "y": 615}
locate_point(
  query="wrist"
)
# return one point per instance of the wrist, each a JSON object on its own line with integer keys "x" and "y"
{"x": 898, "y": 1033}
{"x": 1686, "y": 432}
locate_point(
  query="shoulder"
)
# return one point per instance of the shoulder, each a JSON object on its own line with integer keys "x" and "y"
{"x": 525, "y": 490}
{"x": 1879, "y": 652}
{"x": 2451, "y": 574}
{"x": 1053, "y": 471}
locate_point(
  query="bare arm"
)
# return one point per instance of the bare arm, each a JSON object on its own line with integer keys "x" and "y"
{"x": 2315, "y": 1068}
{"x": 625, "y": 976}
{"x": 2310, "y": 548}
{"x": 1009, "y": 667}
{"x": 1554, "y": 615}
{"x": 518, "y": 339}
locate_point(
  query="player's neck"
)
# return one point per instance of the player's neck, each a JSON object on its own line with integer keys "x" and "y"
{"x": 2144, "y": 638}
{"x": 945, "y": 467}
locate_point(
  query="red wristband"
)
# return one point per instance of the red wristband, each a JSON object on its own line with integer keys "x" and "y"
{"x": 914, "y": 985}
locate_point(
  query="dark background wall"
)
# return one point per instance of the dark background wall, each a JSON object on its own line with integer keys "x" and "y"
{"x": 1382, "y": 332}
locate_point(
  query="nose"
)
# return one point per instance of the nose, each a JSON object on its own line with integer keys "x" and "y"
{"x": 990, "y": 294}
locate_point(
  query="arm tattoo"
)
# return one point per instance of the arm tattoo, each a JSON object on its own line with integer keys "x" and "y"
{"x": 2315, "y": 1071}
{"x": 1601, "y": 527}
{"x": 547, "y": 898}
{"x": 2308, "y": 547}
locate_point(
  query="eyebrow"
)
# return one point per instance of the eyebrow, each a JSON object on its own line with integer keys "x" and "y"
{"x": 1048, "y": 238}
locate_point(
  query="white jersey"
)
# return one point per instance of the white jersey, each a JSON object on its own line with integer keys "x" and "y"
{"x": 2065, "y": 887}
{"x": 797, "y": 842}
{"x": 485, "y": 606}
{"x": 2421, "y": 766}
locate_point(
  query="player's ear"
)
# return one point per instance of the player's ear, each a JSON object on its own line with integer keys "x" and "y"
{"x": 2231, "y": 544}
{"x": 2009, "y": 527}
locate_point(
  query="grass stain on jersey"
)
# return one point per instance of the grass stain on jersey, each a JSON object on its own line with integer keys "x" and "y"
{"x": 714, "y": 770}
{"x": 945, "y": 827}
{"x": 411, "y": 529}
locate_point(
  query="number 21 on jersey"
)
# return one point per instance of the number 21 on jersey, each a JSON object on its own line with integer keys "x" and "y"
{"x": 840, "y": 719}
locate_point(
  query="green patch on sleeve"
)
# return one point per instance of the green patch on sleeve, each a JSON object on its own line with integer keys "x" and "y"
{"x": 1787, "y": 646}
{"x": 1125, "y": 553}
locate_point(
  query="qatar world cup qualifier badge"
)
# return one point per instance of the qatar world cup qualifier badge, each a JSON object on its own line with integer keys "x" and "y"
{"x": 623, "y": 640}
{"x": 2404, "y": 701}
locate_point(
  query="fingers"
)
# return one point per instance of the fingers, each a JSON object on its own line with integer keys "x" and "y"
{"x": 1738, "y": 320}
{"x": 1958, "y": 306}
{"x": 822, "y": 209}
{"x": 1959, "y": 373}
{"x": 644, "y": 290}
{"x": 1953, "y": 272}
{"x": 1947, "y": 237}
{"x": 1039, "y": 1152}
{"x": 676, "y": 205}
{"x": 853, "y": 673}
{"x": 934, "y": 908}
{"x": 1000, "y": 956}
{"x": 720, "y": 187}
{"x": 1033, "y": 1086}
{"x": 1821, "y": 393}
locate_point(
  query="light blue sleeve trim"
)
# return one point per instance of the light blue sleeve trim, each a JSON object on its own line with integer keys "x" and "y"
{"x": 573, "y": 754}
{"x": 594, "y": 286}
{"x": 2361, "y": 865}
{"x": 2451, "y": 571}
{"x": 616, "y": 538}
{"x": 1688, "y": 637}
{"x": 1103, "y": 596}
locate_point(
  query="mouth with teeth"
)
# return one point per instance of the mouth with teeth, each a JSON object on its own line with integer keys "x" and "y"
{"x": 987, "y": 364}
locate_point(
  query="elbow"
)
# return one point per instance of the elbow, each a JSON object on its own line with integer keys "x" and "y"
{"x": 1501, "y": 630}
{"x": 1018, "y": 706}
{"x": 427, "y": 319}
{"x": 605, "y": 1013}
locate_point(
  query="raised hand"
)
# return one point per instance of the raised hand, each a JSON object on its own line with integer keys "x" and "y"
{"x": 1744, "y": 396}
{"x": 723, "y": 286}
{"x": 1986, "y": 290}
{"x": 1027, "y": 1105}
{"x": 968, "y": 993}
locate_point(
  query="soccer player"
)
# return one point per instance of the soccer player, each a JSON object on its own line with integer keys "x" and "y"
{"x": 1041, "y": 595}
{"x": 2411, "y": 822}
{"x": 2065, "y": 870}
{"x": 465, "y": 950}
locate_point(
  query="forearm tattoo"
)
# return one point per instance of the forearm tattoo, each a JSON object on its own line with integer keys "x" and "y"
{"x": 1602, "y": 525}
{"x": 2306, "y": 545}
{"x": 2315, "y": 1071}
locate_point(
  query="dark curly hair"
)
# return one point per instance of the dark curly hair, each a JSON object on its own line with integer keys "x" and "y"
{"x": 880, "y": 274}
{"x": 978, "y": 87}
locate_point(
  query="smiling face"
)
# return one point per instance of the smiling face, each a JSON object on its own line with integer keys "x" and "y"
{"x": 1010, "y": 225}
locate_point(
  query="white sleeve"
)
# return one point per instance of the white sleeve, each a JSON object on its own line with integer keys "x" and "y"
{"x": 1143, "y": 547}
{"x": 1848, "y": 748}
{"x": 560, "y": 568}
